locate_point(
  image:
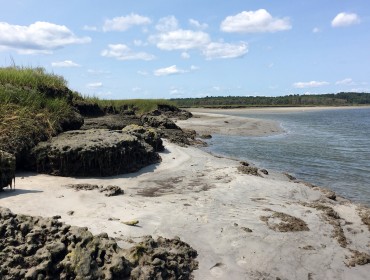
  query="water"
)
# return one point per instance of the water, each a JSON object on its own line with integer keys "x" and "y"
{"x": 330, "y": 148}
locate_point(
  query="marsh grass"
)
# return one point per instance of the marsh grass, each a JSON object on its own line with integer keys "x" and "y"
{"x": 140, "y": 106}
{"x": 33, "y": 103}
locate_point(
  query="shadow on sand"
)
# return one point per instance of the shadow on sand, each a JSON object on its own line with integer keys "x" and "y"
{"x": 11, "y": 192}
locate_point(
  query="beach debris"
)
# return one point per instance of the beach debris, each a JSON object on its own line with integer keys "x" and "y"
{"x": 244, "y": 163}
{"x": 358, "y": 258}
{"x": 333, "y": 218}
{"x": 131, "y": 223}
{"x": 109, "y": 190}
{"x": 364, "y": 213}
{"x": 282, "y": 222}
{"x": 246, "y": 229}
{"x": 70, "y": 213}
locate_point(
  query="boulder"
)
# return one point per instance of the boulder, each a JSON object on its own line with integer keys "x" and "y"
{"x": 149, "y": 135}
{"x": 7, "y": 169}
{"x": 96, "y": 152}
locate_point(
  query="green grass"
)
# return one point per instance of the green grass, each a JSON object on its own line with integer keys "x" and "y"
{"x": 140, "y": 106}
{"x": 34, "y": 78}
{"x": 33, "y": 104}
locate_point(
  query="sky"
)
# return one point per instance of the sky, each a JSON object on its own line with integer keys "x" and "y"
{"x": 192, "y": 48}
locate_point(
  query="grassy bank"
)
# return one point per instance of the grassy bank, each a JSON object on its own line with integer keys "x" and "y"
{"x": 34, "y": 106}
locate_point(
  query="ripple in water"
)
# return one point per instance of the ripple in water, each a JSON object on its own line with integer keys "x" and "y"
{"x": 330, "y": 148}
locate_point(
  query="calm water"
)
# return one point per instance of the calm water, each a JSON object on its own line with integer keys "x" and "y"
{"x": 330, "y": 148}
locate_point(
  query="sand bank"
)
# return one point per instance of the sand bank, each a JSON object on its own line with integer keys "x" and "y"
{"x": 205, "y": 122}
{"x": 243, "y": 226}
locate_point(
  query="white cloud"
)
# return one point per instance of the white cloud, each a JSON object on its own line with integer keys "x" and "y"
{"x": 95, "y": 85}
{"x": 39, "y": 37}
{"x": 123, "y": 52}
{"x": 65, "y": 63}
{"x": 347, "y": 81}
{"x": 316, "y": 30}
{"x": 310, "y": 84}
{"x": 171, "y": 70}
{"x": 90, "y": 28}
{"x": 196, "y": 24}
{"x": 345, "y": 19}
{"x": 185, "y": 55}
{"x": 167, "y": 24}
{"x": 225, "y": 50}
{"x": 180, "y": 40}
{"x": 254, "y": 21}
{"x": 194, "y": 68}
{"x": 125, "y": 22}
{"x": 139, "y": 43}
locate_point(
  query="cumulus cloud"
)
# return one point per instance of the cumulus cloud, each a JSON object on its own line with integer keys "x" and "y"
{"x": 347, "y": 81}
{"x": 167, "y": 24}
{"x": 224, "y": 50}
{"x": 125, "y": 22}
{"x": 123, "y": 52}
{"x": 180, "y": 40}
{"x": 65, "y": 63}
{"x": 196, "y": 24}
{"x": 95, "y": 85}
{"x": 39, "y": 37}
{"x": 171, "y": 70}
{"x": 345, "y": 19}
{"x": 254, "y": 21}
{"x": 310, "y": 84}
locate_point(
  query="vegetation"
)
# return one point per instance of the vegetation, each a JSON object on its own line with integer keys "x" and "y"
{"x": 140, "y": 106}
{"x": 34, "y": 106}
{"x": 339, "y": 99}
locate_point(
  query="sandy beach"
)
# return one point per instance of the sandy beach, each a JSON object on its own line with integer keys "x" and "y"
{"x": 243, "y": 226}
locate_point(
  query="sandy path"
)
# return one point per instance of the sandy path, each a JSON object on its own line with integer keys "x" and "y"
{"x": 211, "y": 206}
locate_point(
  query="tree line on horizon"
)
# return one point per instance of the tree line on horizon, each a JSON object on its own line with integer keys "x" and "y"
{"x": 330, "y": 99}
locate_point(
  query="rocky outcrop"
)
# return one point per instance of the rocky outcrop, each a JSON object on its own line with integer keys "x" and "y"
{"x": 114, "y": 122}
{"x": 149, "y": 135}
{"x": 171, "y": 111}
{"x": 96, "y": 152}
{"x": 160, "y": 121}
{"x": 45, "y": 248}
{"x": 7, "y": 169}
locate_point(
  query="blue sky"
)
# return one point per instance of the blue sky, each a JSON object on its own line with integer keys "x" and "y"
{"x": 192, "y": 48}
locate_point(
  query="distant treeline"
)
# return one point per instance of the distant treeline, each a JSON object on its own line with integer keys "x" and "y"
{"x": 338, "y": 99}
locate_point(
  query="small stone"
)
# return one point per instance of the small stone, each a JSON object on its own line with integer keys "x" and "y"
{"x": 70, "y": 213}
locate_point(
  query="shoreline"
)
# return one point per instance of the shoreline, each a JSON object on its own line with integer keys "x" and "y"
{"x": 231, "y": 219}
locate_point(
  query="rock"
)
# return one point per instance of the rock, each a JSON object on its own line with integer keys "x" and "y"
{"x": 290, "y": 177}
{"x": 74, "y": 253}
{"x": 131, "y": 223}
{"x": 108, "y": 190}
{"x": 250, "y": 170}
{"x": 331, "y": 195}
{"x": 7, "y": 170}
{"x": 113, "y": 122}
{"x": 88, "y": 109}
{"x": 264, "y": 171}
{"x": 97, "y": 152}
{"x": 71, "y": 122}
{"x": 149, "y": 135}
{"x": 158, "y": 122}
{"x": 206, "y": 136}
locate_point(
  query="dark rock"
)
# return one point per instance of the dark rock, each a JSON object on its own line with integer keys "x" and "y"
{"x": 264, "y": 171}
{"x": 96, "y": 152}
{"x": 149, "y": 135}
{"x": 73, "y": 121}
{"x": 113, "y": 122}
{"x": 74, "y": 253}
{"x": 290, "y": 177}
{"x": 108, "y": 190}
{"x": 206, "y": 136}
{"x": 158, "y": 122}
{"x": 250, "y": 170}
{"x": 88, "y": 109}
{"x": 7, "y": 170}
